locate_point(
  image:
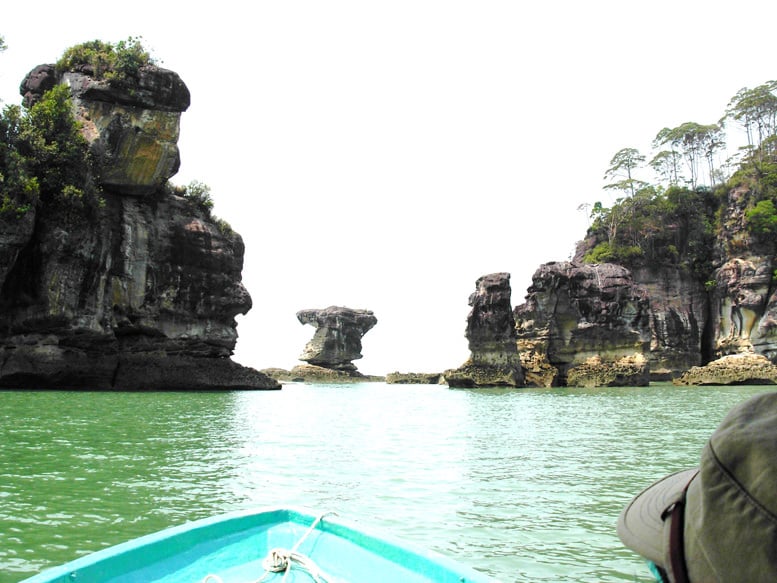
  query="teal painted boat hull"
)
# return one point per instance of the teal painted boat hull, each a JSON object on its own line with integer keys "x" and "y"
{"x": 231, "y": 549}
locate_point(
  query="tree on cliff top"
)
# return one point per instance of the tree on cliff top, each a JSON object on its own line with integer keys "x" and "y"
{"x": 695, "y": 143}
{"x": 673, "y": 224}
{"x": 622, "y": 167}
{"x": 756, "y": 111}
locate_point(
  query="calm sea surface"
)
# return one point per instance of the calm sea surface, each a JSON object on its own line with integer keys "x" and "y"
{"x": 525, "y": 484}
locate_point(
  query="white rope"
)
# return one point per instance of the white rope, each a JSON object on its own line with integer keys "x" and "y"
{"x": 281, "y": 560}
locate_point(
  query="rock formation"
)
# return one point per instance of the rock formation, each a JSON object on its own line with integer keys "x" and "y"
{"x": 537, "y": 370}
{"x": 336, "y": 343}
{"x": 585, "y": 317}
{"x": 678, "y": 314}
{"x": 626, "y": 371}
{"x": 494, "y": 359}
{"x": 578, "y": 312}
{"x": 414, "y": 378}
{"x": 733, "y": 369}
{"x": 143, "y": 293}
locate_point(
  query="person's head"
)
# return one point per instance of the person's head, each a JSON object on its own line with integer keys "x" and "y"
{"x": 717, "y": 522}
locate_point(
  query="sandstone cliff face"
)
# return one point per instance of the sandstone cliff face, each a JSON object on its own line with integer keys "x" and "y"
{"x": 679, "y": 312}
{"x": 583, "y": 312}
{"x": 141, "y": 293}
{"x": 132, "y": 128}
{"x": 744, "y": 296}
{"x": 494, "y": 359}
{"x": 694, "y": 319}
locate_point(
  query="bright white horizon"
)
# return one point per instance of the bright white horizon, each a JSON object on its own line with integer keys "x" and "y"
{"x": 384, "y": 156}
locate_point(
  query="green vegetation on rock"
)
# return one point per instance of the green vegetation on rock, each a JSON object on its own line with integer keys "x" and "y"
{"x": 43, "y": 156}
{"x": 199, "y": 195}
{"x": 102, "y": 60}
{"x": 674, "y": 221}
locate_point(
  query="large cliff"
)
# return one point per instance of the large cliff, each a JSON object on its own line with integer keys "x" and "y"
{"x": 667, "y": 311}
{"x": 138, "y": 292}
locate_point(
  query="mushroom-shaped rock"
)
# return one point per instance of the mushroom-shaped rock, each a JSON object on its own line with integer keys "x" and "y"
{"x": 338, "y": 337}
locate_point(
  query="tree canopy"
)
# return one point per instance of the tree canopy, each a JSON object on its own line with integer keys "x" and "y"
{"x": 621, "y": 169}
{"x": 673, "y": 220}
{"x": 43, "y": 155}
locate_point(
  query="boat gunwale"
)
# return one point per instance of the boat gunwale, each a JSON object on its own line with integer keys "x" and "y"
{"x": 185, "y": 536}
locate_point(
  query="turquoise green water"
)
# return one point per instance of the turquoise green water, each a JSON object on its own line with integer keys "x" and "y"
{"x": 524, "y": 485}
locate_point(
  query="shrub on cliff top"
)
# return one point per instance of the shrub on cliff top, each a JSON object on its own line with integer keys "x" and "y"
{"x": 198, "y": 195}
{"x": 102, "y": 60}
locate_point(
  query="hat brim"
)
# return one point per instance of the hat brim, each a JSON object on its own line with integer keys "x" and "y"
{"x": 640, "y": 526}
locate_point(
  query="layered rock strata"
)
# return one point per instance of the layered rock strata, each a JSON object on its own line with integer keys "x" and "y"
{"x": 337, "y": 341}
{"x": 140, "y": 293}
{"x": 579, "y": 312}
{"x": 494, "y": 359}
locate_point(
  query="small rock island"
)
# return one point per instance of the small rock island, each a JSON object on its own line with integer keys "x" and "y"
{"x": 336, "y": 343}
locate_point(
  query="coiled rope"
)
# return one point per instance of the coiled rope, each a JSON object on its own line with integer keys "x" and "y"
{"x": 280, "y": 560}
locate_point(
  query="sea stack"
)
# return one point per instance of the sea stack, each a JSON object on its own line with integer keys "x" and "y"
{"x": 139, "y": 292}
{"x": 335, "y": 344}
{"x": 494, "y": 358}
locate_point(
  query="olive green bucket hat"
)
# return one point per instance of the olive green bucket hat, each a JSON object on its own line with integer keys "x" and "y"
{"x": 717, "y": 522}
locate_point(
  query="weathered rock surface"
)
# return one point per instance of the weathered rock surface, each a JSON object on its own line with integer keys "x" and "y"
{"x": 628, "y": 371}
{"x": 584, "y": 311}
{"x": 141, "y": 293}
{"x": 414, "y": 378}
{"x": 744, "y": 315}
{"x": 678, "y": 314}
{"x": 743, "y": 300}
{"x": 494, "y": 359}
{"x": 310, "y": 373}
{"x": 338, "y": 337}
{"x": 132, "y": 127}
{"x": 695, "y": 316}
{"x": 733, "y": 369}
{"x": 537, "y": 370}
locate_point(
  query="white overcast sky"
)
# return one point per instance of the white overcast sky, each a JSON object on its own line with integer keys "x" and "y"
{"x": 384, "y": 155}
